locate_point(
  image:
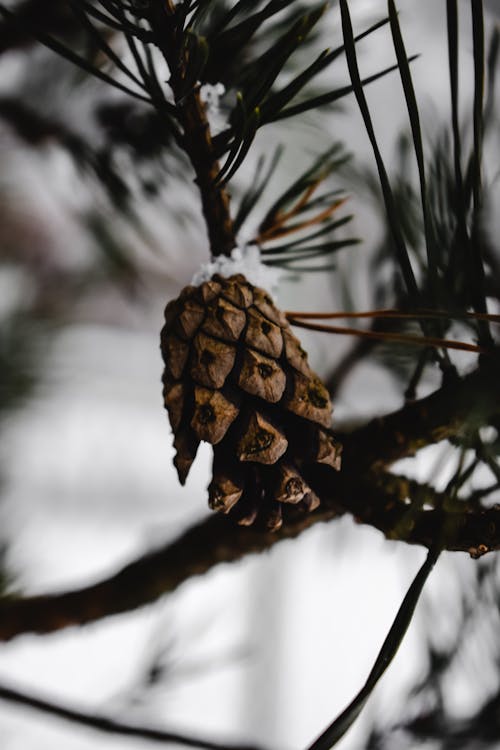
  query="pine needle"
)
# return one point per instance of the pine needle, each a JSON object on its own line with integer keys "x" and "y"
{"x": 395, "y": 314}
{"x": 397, "y": 338}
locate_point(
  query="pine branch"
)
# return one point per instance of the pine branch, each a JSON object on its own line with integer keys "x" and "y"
{"x": 168, "y": 35}
{"x": 358, "y": 489}
{"x": 197, "y": 139}
{"x": 193, "y": 58}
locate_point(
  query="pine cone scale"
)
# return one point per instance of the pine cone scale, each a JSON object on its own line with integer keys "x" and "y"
{"x": 263, "y": 335}
{"x": 212, "y": 360}
{"x": 261, "y": 442}
{"x": 224, "y": 320}
{"x": 262, "y": 376}
{"x": 310, "y": 400}
{"x": 173, "y": 397}
{"x": 213, "y": 415}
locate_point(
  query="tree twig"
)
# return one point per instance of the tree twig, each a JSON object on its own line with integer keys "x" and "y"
{"x": 197, "y": 138}
{"x": 109, "y": 725}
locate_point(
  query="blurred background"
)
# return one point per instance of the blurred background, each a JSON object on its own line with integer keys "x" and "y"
{"x": 97, "y": 232}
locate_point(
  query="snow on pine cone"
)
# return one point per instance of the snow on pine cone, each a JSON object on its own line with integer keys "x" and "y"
{"x": 237, "y": 377}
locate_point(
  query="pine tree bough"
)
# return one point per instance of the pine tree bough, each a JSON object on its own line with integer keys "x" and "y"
{"x": 237, "y": 377}
{"x": 358, "y": 489}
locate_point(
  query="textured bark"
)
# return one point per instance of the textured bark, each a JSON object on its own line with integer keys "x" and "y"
{"x": 462, "y": 404}
{"x": 197, "y": 139}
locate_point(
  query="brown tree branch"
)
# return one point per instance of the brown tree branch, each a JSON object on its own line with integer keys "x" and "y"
{"x": 461, "y": 405}
{"x": 143, "y": 581}
{"x": 108, "y": 725}
{"x": 197, "y": 138}
{"x": 359, "y": 489}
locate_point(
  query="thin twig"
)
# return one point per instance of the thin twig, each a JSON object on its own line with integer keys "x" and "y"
{"x": 109, "y": 725}
{"x": 196, "y": 138}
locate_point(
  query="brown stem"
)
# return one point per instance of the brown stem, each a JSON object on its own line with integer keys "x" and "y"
{"x": 393, "y": 313}
{"x": 461, "y": 404}
{"x": 398, "y": 338}
{"x": 214, "y": 198}
{"x": 197, "y": 139}
{"x": 458, "y": 530}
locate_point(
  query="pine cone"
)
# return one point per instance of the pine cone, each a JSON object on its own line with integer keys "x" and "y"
{"x": 237, "y": 377}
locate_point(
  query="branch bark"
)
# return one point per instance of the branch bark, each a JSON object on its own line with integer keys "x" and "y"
{"x": 143, "y": 581}
{"x": 197, "y": 138}
{"x": 462, "y": 404}
{"x": 359, "y": 489}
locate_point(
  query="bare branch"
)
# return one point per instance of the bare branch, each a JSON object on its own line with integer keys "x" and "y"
{"x": 197, "y": 137}
{"x": 110, "y": 726}
{"x": 144, "y": 580}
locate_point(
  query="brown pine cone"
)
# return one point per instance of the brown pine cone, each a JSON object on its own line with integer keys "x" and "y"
{"x": 237, "y": 377}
